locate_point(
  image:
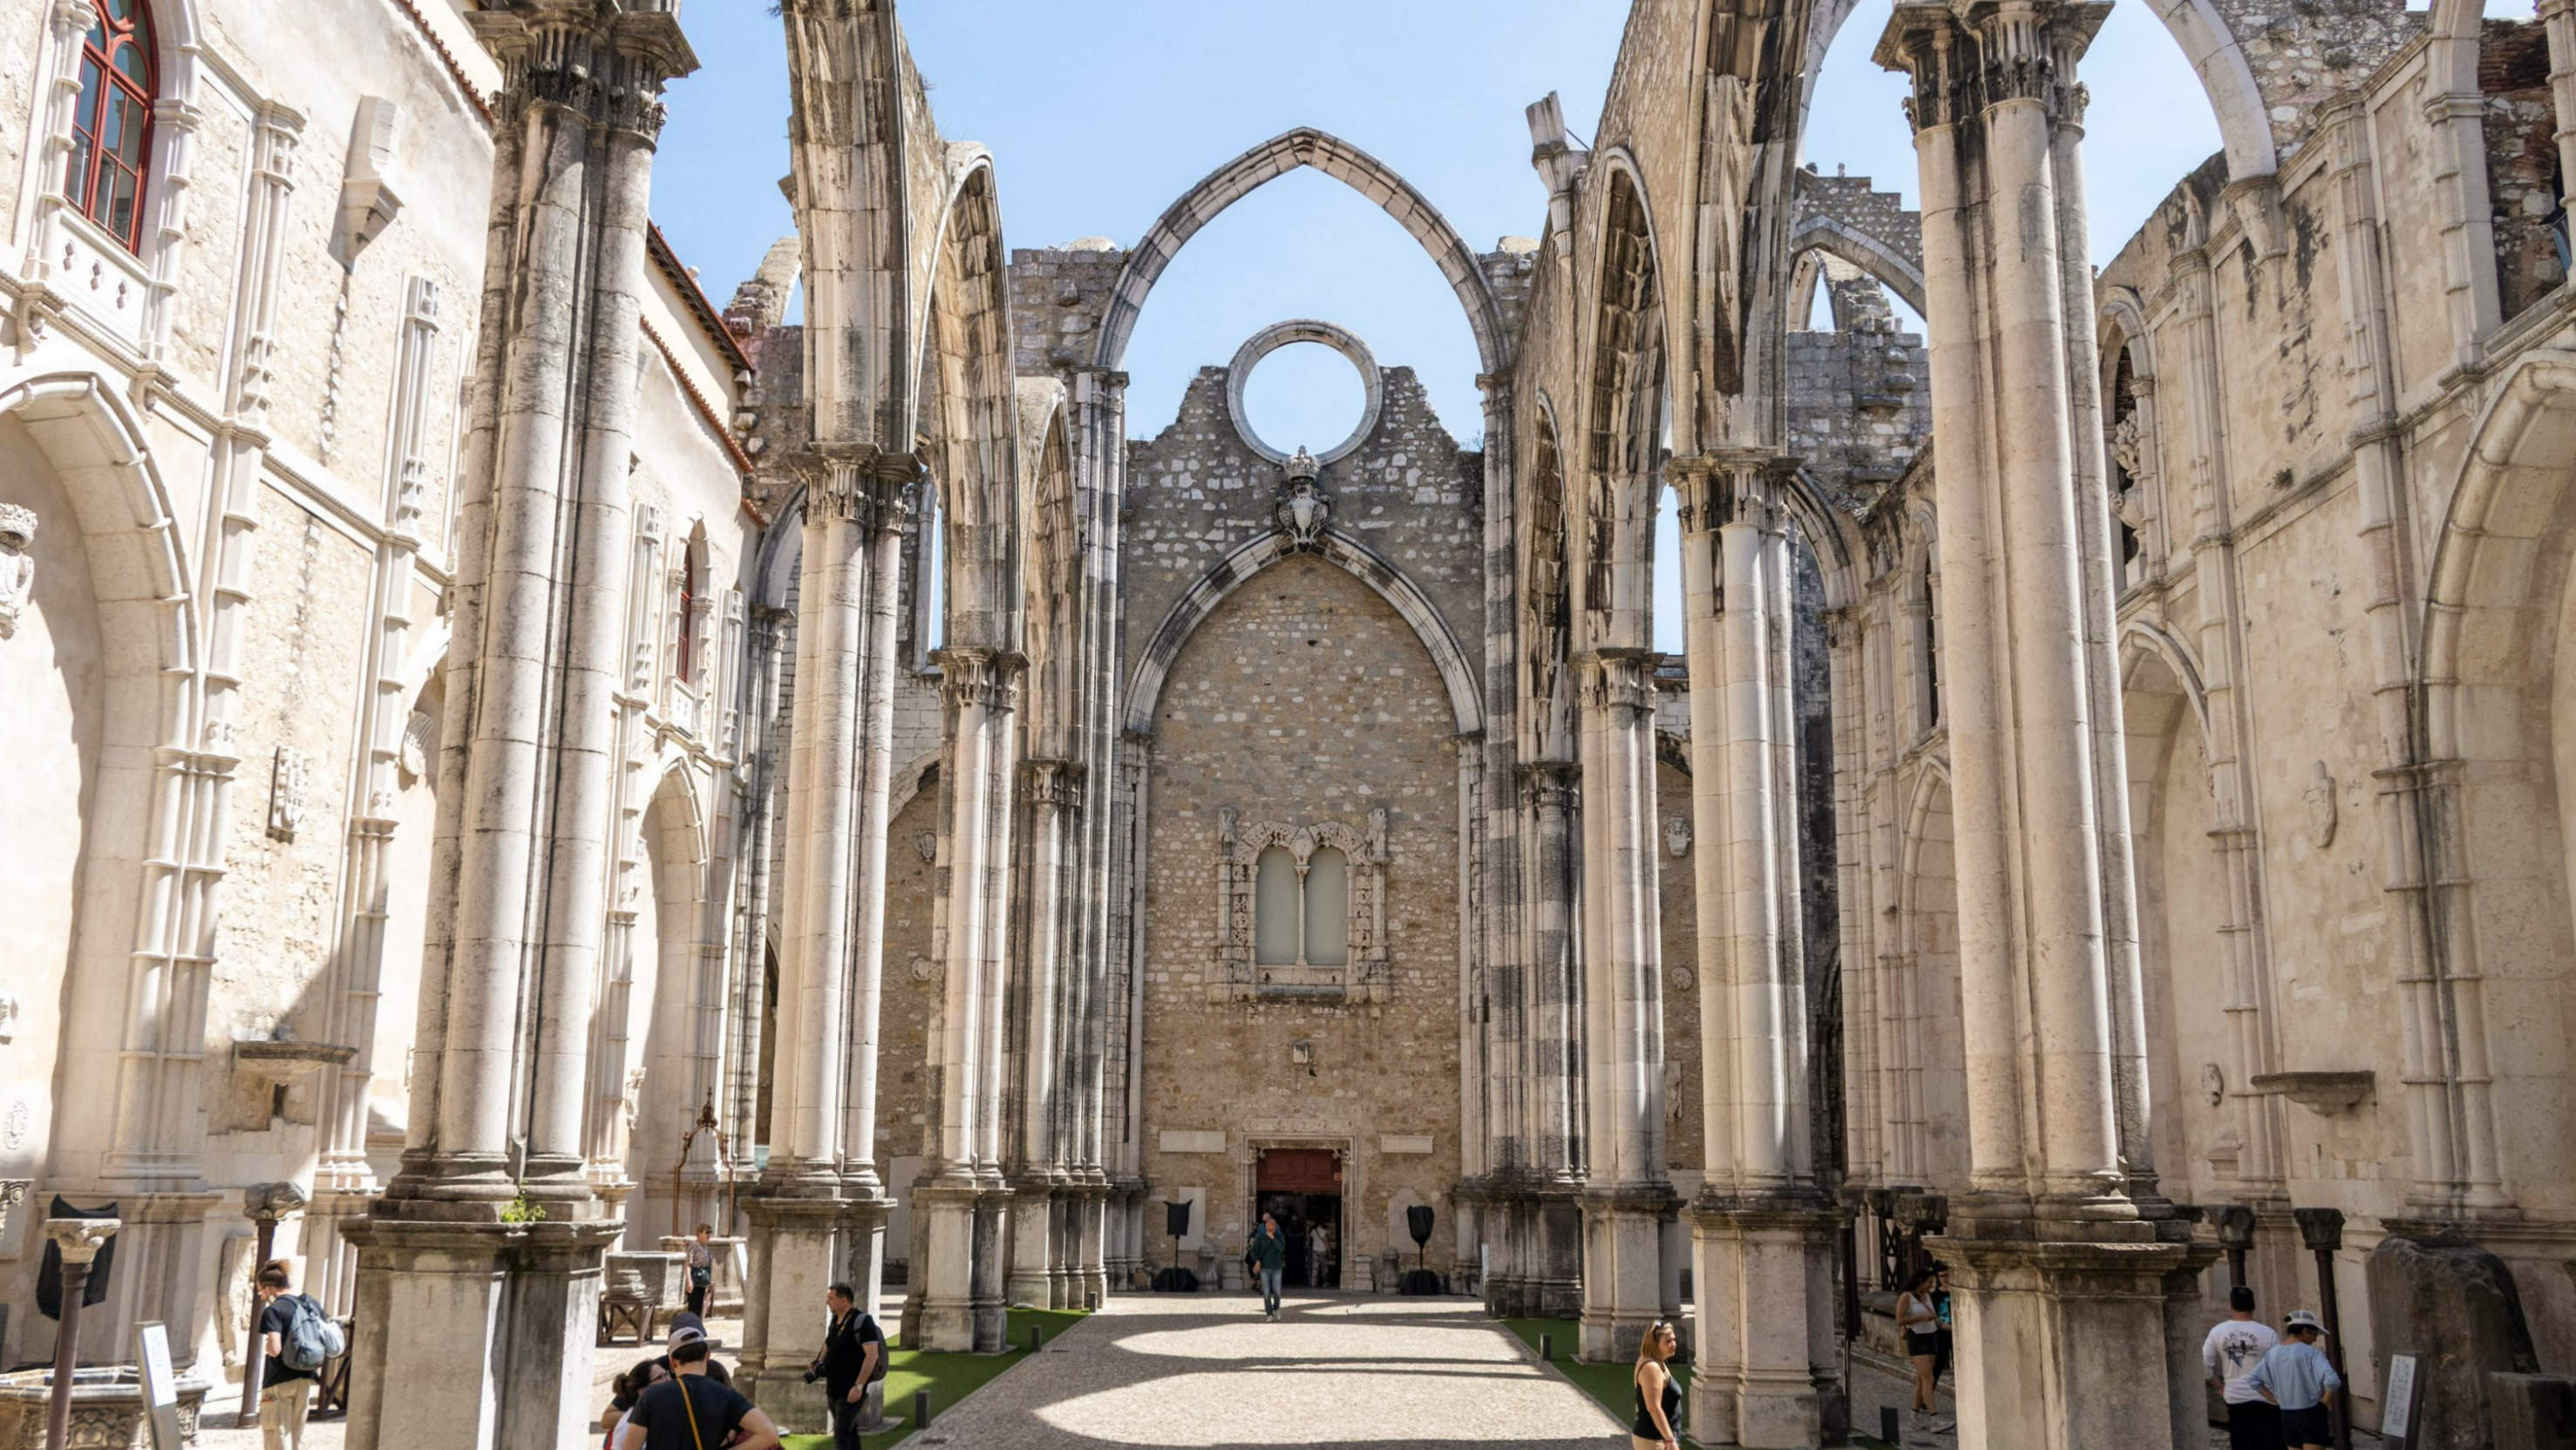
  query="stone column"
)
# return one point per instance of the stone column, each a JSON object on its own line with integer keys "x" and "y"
{"x": 488, "y": 1241}
{"x": 1761, "y": 1229}
{"x": 818, "y": 1214}
{"x": 1626, "y": 1197}
{"x": 1039, "y": 1251}
{"x": 1550, "y": 1231}
{"x": 2060, "y": 1284}
{"x": 959, "y": 1196}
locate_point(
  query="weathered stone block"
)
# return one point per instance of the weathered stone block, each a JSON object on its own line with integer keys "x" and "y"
{"x": 2532, "y": 1411}
{"x": 2454, "y": 1304}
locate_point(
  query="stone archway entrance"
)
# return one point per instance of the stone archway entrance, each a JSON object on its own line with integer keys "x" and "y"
{"x": 1303, "y": 1187}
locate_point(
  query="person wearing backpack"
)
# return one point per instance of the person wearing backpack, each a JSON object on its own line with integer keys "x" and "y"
{"x": 288, "y": 1377}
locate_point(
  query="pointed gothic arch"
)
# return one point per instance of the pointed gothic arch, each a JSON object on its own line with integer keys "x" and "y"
{"x": 1200, "y": 600}
{"x": 1345, "y": 163}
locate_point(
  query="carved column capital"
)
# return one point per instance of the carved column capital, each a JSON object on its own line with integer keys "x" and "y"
{"x": 865, "y": 485}
{"x": 984, "y": 678}
{"x": 2019, "y": 50}
{"x": 1617, "y": 680}
{"x": 1055, "y": 783}
{"x": 1730, "y": 486}
{"x": 1550, "y": 785}
{"x": 80, "y": 1239}
{"x": 604, "y": 64}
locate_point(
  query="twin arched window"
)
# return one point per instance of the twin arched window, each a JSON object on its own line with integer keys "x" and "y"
{"x": 1301, "y": 910}
{"x": 112, "y": 129}
{"x": 1301, "y": 918}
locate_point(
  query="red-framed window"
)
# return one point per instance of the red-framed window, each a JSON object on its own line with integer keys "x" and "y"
{"x": 112, "y": 131}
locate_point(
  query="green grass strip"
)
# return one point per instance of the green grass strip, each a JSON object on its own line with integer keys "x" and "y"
{"x": 950, "y": 1378}
{"x": 1612, "y": 1384}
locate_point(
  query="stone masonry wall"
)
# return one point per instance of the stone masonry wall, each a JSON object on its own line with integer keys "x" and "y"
{"x": 1305, "y": 698}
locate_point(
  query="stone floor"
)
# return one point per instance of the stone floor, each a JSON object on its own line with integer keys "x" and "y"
{"x": 1352, "y": 1371}
{"x": 1337, "y": 1370}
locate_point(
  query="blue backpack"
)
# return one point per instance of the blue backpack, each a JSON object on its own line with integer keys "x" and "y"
{"x": 311, "y": 1337}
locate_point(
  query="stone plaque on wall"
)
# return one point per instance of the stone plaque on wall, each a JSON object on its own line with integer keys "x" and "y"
{"x": 1404, "y": 1142}
{"x": 1182, "y": 1141}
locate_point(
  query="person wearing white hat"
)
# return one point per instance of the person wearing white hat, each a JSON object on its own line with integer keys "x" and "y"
{"x": 2298, "y": 1377}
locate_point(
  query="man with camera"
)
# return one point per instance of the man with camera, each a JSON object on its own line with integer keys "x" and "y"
{"x": 853, "y": 1358}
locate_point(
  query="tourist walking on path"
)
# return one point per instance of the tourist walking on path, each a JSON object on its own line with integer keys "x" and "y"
{"x": 286, "y": 1392}
{"x": 2236, "y": 1344}
{"x": 1318, "y": 1255}
{"x": 702, "y": 1269}
{"x": 852, "y": 1358}
{"x": 2297, "y": 1376}
{"x": 1268, "y": 1257}
{"x": 1659, "y": 1400}
{"x": 692, "y": 1412}
{"x": 1919, "y": 1322}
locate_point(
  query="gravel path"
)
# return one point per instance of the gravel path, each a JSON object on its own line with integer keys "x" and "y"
{"x": 1348, "y": 1371}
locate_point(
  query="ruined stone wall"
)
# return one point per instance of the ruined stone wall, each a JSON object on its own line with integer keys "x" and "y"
{"x": 1058, "y": 297}
{"x": 2521, "y": 127}
{"x": 1304, "y": 699}
{"x": 1198, "y": 491}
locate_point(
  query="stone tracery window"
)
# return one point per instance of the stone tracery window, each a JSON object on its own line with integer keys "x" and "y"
{"x": 112, "y": 126}
{"x": 1301, "y": 910}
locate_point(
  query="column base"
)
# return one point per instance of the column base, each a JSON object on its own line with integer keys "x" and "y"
{"x": 1034, "y": 1280}
{"x": 943, "y": 1269}
{"x": 514, "y": 1311}
{"x": 1763, "y": 1272}
{"x": 2054, "y": 1319}
{"x": 991, "y": 1311}
{"x": 1623, "y": 1267}
{"x": 800, "y": 1247}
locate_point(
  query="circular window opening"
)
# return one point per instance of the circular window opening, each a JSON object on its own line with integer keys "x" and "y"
{"x": 1304, "y": 395}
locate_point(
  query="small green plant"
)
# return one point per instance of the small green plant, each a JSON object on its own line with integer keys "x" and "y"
{"x": 522, "y": 1210}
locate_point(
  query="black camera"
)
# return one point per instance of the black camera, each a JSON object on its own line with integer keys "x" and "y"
{"x": 813, "y": 1375}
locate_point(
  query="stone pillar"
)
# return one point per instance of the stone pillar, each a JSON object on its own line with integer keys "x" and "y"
{"x": 488, "y": 1241}
{"x": 960, "y": 1196}
{"x": 1549, "y": 1278}
{"x": 1626, "y": 1197}
{"x": 818, "y": 1213}
{"x": 2060, "y": 1285}
{"x": 1761, "y": 1229}
{"x": 1051, "y": 790}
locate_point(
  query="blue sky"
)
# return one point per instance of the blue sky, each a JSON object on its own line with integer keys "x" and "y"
{"x": 1098, "y": 123}
{"x": 1100, "y": 114}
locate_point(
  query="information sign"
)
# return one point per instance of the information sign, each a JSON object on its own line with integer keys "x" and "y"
{"x": 2397, "y": 1401}
{"x": 160, "y": 1385}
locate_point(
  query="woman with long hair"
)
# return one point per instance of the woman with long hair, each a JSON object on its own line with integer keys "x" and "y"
{"x": 1918, "y": 1320}
{"x": 1659, "y": 1400}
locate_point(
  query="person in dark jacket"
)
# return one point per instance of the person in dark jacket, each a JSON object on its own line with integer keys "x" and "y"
{"x": 1268, "y": 1256}
{"x": 853, "y": 1357}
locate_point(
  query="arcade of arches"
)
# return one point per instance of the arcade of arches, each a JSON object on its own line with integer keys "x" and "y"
{"x": 509, "y": 758}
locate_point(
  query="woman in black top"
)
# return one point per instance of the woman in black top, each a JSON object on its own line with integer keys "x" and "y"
{"x": 1659, "y": 1400}
{"x": 1918, "y": 1320}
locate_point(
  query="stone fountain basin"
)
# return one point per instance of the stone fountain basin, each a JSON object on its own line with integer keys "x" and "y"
{"x": 107, "y": 1408}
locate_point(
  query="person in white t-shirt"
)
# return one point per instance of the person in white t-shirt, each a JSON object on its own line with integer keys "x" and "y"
{"x": 2235, "y": 1345}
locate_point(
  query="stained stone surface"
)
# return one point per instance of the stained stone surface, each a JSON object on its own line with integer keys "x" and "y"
{"x": 1336, "y": 1370}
